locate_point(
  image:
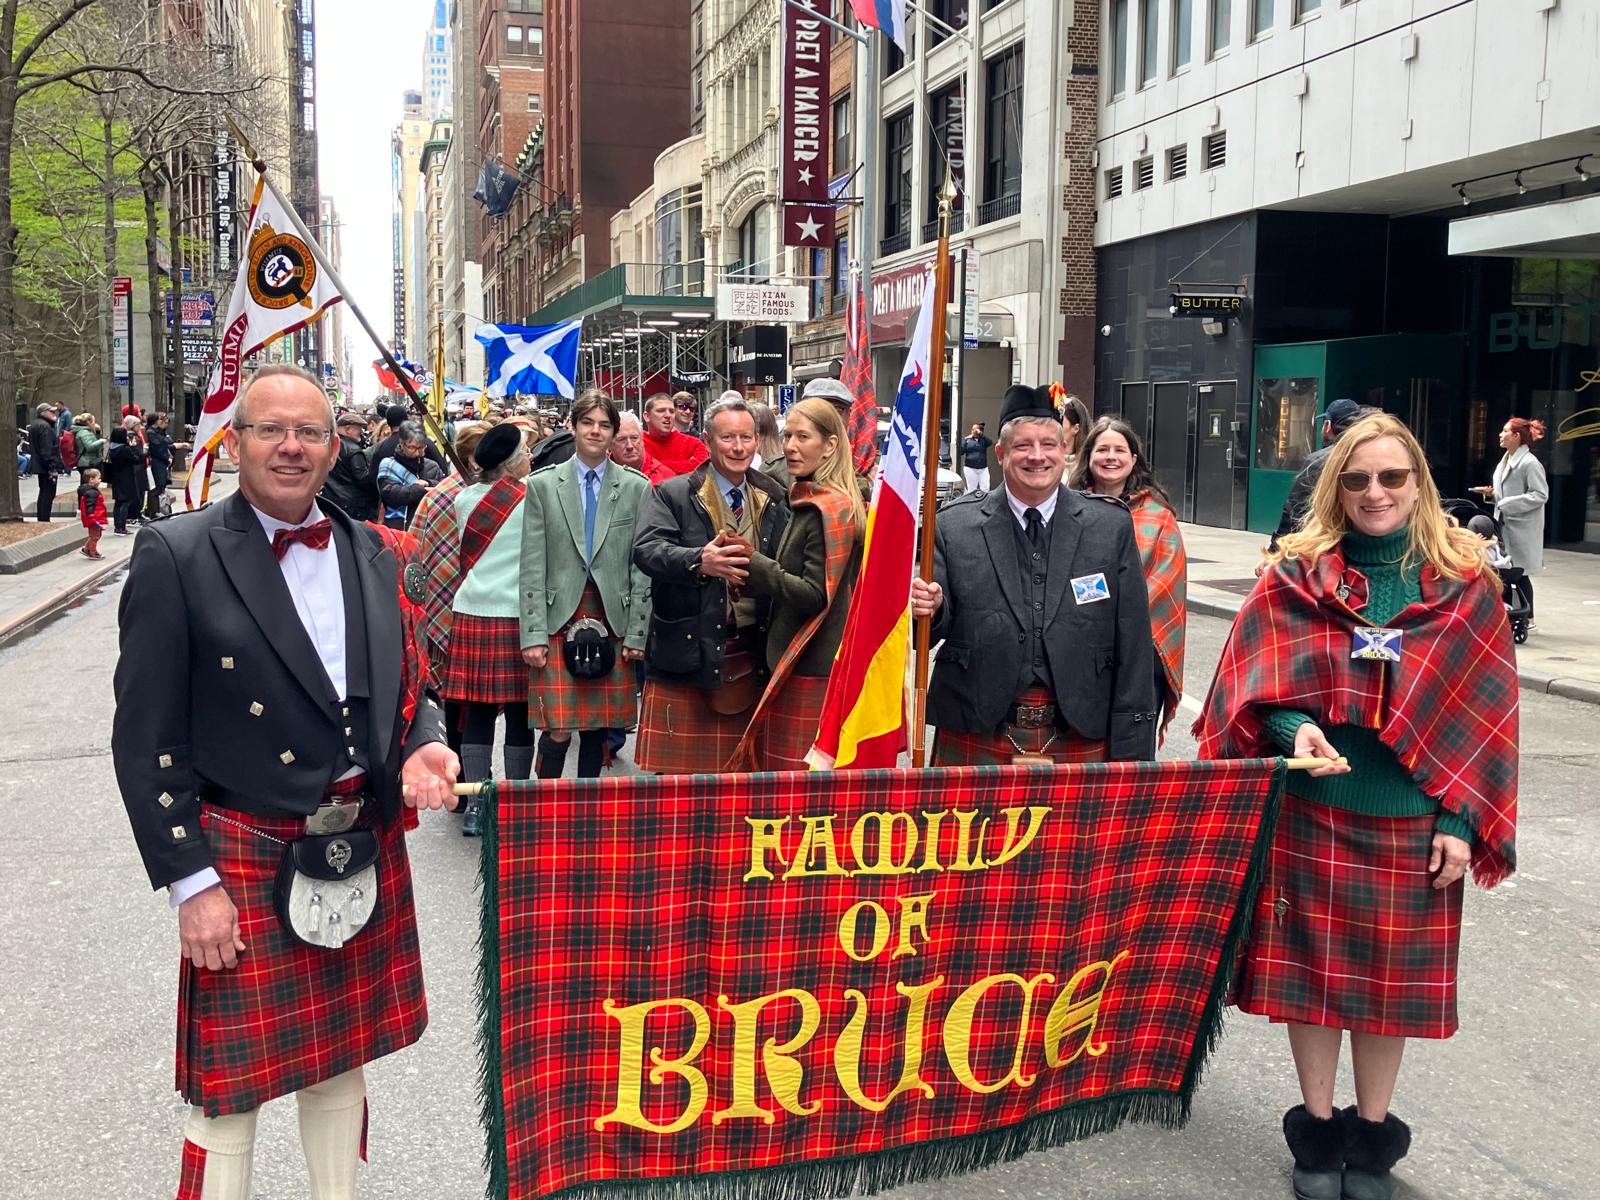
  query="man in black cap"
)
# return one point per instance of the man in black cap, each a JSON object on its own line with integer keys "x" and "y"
{"x": 1338, "y": 417}
{"x": 1046, "y": 625}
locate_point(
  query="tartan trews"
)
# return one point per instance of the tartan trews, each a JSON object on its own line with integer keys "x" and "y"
{"x": 1349, "y": 932}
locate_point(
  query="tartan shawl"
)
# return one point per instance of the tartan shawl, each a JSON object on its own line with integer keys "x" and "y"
{"x": 839, "y": 540}
{"x": 1166, "y": 574}
{"x": 1448, "y": 709}
{"x": 438, "y": 553}
{"x": 486, "y": 520}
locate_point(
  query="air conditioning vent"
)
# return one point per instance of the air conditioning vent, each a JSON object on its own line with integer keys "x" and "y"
{"x": 1113, "y": 183}
{"x": 1215, "y": 148}
{"x": 1178, "y": 162}
{"x": 1144, "y": 173}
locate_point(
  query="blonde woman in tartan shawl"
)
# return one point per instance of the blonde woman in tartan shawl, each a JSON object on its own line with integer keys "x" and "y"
{"x": 1376, "y": 633}
{"x": 1113, "y": 464}
{"x": 809, "y": 578}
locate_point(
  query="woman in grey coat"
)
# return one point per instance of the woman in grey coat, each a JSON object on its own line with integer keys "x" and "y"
{"x": 1520, "y": 491}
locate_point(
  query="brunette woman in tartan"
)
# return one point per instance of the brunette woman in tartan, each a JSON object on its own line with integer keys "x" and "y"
{"x": 1113, "y": 464}
{"x": 290, "y": 700}
{"x": 809, "y": 579}
{"x": 1376, "y": 633}
{"x": 577, "y": 566}
{"x": 483, "y": 671}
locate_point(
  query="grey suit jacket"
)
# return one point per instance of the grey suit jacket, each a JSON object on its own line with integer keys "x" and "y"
{"x": 1101, "y": 656}
{"x": 553, "y": 569}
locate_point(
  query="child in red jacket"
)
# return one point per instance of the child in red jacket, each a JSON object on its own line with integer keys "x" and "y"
{"x": 92, "y": 512}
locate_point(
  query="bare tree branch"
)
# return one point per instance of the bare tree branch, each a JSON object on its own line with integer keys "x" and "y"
{"x": 50, "y": 29}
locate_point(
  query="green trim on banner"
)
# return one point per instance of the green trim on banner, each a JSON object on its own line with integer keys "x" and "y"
{"x": 494, "y": 1109}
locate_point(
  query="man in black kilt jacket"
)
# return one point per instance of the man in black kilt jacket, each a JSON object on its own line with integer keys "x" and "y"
{"x": 288, "y": 712}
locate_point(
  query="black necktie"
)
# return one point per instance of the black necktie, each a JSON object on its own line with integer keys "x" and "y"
{"x": 1035, "y": 527}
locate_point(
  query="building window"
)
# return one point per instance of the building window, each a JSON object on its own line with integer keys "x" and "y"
{"x": 1002, "y": 133}
{"x": 819, "y": 282}
{"x": 844, "y": 155}
{"x": 1260, "y": 17}
{"x": 1218, "y": 29}
{"x": 514, "y": 39}
{"x": 1177, "y": 162}
{"x": 534, "y": 103}
{"x": 1113, "y": 183}
{"x": 1149, "y": 40}
{"x": 1119, "y": 47}
{"x": 1303, "y": 8}
{"x": 535, "y": 41}
{"x": 947, "y": 115}
{"x": 1214, "y": 149}
{"x": 897, "y": 160}
{"x": 1182, "y": 19}
{"x": 514, "y": 6}
{"x": 893, "y": 59}
{"x": 755, "y": 236}
{"x": 1144, "y": 173}
{"x": 951, "y": 12}
{"x": 841, "y": 270}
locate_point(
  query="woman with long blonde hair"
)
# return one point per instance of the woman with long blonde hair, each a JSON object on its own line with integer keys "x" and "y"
{"x": 1376, "y": 640}
{"x": 809, "y": 578}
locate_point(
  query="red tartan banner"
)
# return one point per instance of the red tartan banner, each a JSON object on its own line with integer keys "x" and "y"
{"x": 803, "y": 984}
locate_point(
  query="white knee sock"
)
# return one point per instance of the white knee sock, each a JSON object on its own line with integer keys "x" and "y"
{"x": 219, "y": 1156}
{"x": 333, "y": 1115}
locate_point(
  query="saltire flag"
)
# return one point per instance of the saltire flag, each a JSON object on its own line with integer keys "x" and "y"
{"x": 496, "y": 187}
{"x": 463, "y": 394}
{"x": 531, "y": 360}
{"x": 863, "y": 721}
{"x": 421, "y": 381}
{"x": 856, "y": 375}
{"x": 887, "y": 15}
{"x": 280, "y": 288}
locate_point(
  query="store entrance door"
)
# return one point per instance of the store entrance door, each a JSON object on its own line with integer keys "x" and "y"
{"x": 1168, "y": 439}
{"x": 1214, "y": 454}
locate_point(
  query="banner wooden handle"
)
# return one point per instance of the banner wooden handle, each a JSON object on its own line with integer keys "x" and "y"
{"x": 1311, "y": 764}
{"x": 459, "y": 789}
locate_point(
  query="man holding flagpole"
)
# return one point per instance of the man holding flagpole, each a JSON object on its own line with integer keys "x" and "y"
{"x": 1050, "y": 588}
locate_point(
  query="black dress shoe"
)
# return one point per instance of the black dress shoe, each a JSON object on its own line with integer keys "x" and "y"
{"x": 472, "y": 818}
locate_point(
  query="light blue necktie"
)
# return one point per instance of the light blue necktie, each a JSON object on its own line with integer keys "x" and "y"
{"x": 591, "y": 504}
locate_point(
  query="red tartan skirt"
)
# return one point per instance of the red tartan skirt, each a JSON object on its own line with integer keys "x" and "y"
{"x": 790, "y": 724}
{"x": 289, "y": 1016}
{"x": 1349, "y": 932}
{"x": 485, "y": 664}
{"x": 561, "y": 703}
{"x": 952, "y": 749}
{"x": 680, "y": 735}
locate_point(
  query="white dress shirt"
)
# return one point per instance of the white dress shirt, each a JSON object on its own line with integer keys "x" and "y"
{"x": 318, "y": 594}
{"x": 1046, "y": 507}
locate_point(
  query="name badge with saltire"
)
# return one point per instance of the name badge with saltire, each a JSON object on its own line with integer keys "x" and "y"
{"x": 1089, "y": 589}
{"x": 1376, "y": 645}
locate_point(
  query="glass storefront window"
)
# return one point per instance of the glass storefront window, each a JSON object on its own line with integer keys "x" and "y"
{"x": 1286, "y": 417}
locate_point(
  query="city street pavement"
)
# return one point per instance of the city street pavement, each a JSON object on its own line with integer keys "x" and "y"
{"x": 1500, "y": 1112}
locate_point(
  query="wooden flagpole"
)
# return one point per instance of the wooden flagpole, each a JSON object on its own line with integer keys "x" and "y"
{"x": 923, "y": 631}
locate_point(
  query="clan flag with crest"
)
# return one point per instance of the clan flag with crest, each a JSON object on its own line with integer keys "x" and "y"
{"x": 280, "y": 289}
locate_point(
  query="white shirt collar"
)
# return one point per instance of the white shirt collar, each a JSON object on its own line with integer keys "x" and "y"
{"x": 272, "y": 524}
{"x": 1047, "y": 507}
{"x": 583, "y": 470}
{"x": 724, "y": 486}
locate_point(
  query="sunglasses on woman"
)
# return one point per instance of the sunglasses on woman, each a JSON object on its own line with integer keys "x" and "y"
{"x": 1392, "y": 479}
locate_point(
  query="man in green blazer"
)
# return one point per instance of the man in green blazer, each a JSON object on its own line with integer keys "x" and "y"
{"x": 578, "y": 584}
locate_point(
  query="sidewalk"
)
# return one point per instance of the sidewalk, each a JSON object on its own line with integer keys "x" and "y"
{"x": 36, "y": 593}
{"x": 1561, "y": 656}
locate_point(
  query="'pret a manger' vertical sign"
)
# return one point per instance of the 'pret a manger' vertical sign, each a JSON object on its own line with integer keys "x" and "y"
{"x": 803, "y": 198}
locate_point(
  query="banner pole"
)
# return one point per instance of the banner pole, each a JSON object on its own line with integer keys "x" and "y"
{"x": 349, "y": 302}
{"x": 930, "y": 464}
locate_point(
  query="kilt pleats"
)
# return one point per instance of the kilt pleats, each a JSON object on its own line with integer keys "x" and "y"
{"x": 789, "y": 728}
{"x": 1349, "y": 932}
{"x": 679, "y": 734}
{"x": 485, "y": 662}
{"x": 289, "y": 1016}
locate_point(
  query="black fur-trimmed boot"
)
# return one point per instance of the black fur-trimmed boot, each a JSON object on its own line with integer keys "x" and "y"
{"x": 1317, "y": 1144}
{"x": 1371, "y": 1149}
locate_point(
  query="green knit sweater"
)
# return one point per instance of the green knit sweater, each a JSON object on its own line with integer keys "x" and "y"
{"x": 1377, "y": 785}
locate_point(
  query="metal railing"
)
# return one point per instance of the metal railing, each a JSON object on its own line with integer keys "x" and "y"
{"x": 1000, "y": 208}
{"x": 895, "y": 244}
{"x": 958, "y": 222}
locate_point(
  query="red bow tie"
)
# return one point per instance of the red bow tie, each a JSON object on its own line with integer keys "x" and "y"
{"x": 315, "y": 535}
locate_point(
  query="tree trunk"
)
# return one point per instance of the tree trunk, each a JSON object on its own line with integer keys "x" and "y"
{"x": 150, "y": 185}
{"x": 10, "y": 498}
{"x": 109, "y": 188}
{"x": 175, "y": 289}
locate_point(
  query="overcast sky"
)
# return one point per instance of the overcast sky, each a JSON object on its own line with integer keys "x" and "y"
{"x": 367, "y": 55}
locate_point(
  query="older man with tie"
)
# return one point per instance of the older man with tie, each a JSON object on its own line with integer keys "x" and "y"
{"x": 264, "y": 758}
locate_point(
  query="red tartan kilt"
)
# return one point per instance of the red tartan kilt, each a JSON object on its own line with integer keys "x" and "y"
{"x": 680, "y": 735}
{"x": 1362, "y": 941}
{"x": 289, "y": 1016}
{"x": 485, "y": 664}
{"x": 558, "y": 701}
{"x": 790, "y": 724}
{"x": 952, "y": 749}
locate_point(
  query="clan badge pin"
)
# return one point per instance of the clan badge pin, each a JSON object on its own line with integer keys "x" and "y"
{"x": 283, "y": 271}
{"x": 415, "y": 581}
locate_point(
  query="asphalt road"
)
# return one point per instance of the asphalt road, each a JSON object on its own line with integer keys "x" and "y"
{"x": 1499, "y": 1112}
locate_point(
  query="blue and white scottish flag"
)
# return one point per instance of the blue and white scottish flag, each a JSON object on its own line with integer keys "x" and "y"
{"x": 531, "y": 359}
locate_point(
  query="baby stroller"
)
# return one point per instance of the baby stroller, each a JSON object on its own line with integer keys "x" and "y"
{"x": 1469, "y": 514}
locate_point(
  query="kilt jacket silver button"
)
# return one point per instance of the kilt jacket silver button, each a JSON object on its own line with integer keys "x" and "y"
{"x": 286, "y": 757}
{"x": 179, "y": 833}
{"x": 256, "y": 708}
{"x": 163, "y": 761}
{"x": 165, "y": 800}
{"x": 227, "y": 663}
